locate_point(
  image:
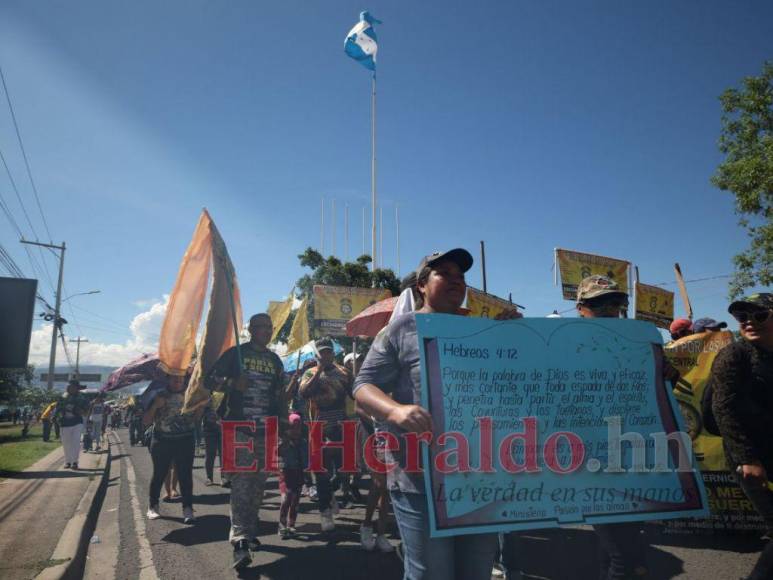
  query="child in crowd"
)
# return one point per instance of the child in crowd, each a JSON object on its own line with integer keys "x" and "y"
{"x": 294, "y": 455}
{"x": 88, "y": 438}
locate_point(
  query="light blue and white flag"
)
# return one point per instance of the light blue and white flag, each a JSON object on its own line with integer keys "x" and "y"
{"x": 361, "y": 43}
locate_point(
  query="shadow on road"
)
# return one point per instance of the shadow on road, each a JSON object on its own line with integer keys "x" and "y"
{"x": 329, "y": 562}
{"x": 579, "y": 556}
{"x": 207, "y": 529}
{"x": 212, "y": 499}
{"x": 743, "y": 544}
{"x": 48, "y": 474}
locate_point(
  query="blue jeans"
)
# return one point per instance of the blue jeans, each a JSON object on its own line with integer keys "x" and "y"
{"x": 469, "y": 557}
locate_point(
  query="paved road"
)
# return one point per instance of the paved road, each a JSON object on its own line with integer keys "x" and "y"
{"x": 30, "y": 523}
{"x": 131, "y": 547}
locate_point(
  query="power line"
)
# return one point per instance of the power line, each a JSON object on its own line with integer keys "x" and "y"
{"x": 18, "y": 195}
{"x": 24, "y": 154}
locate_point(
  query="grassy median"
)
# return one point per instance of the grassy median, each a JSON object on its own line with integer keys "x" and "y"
{"x": 17, "y": 453}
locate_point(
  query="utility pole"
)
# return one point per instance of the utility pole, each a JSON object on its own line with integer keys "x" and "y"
{"x": 52, "y": 359}
{"x": 79, "y": 340}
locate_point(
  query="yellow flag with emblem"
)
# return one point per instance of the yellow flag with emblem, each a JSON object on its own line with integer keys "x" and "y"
{"x": 575, "y": 266}
{"x": 654, "y": 305}
{"x": 279, "y": 312}
{"x": 485, "y": 305}
{"x": 299, "y": 333}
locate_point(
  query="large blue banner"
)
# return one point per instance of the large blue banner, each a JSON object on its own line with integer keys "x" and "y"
{"x": 544, "y": 422}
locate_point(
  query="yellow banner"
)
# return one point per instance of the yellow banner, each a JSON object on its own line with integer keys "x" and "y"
{"x": 574, "y": 266}
{"x": 299, "y": 333}
{"x": 693, "y": 356}
{"x": 335, "y": 305}
{"x": 279, "y": 312}
{"x": 485, "y": 305}
{"x": 654, "y": 305}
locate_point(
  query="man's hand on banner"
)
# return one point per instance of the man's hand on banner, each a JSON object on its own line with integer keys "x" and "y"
{"x": 411, "y": 418}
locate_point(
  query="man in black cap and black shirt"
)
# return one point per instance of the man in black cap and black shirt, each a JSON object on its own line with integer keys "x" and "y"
{"x": 742, "y": 379}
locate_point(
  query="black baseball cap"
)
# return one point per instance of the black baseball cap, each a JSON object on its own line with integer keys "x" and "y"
{"x": 704, "y": 324}
{"x": 323, "y": 343}
{"x": 759, "y": 301}
{"x": 459, "y": 256}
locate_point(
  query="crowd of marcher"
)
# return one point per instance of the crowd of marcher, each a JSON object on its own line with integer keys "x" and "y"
{"x": 382, "y": 390}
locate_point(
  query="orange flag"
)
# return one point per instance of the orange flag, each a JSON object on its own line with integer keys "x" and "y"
{"x": 183, "y": 314}
{"x": 222, "y": 321}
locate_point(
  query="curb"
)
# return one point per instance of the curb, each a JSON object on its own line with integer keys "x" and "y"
{"x": 74, "y": 543}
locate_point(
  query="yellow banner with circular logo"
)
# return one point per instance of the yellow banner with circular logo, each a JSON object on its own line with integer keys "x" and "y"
{"x": 654, "y": 305}
{"x": 485, "y": 305}
{"x": 335, "y": 305}
{"x": 574, "y": 266}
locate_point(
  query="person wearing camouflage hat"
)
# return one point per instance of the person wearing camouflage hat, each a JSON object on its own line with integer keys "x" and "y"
{"x": 742, "y": 402}
{"x": 622, "y": 553}
{"x": 601, "y": 297}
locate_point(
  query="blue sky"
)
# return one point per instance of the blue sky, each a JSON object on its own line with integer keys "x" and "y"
{"x": 590, "y": 126}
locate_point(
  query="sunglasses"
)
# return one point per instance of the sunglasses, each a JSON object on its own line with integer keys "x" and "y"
{"x": 758, "y": 316}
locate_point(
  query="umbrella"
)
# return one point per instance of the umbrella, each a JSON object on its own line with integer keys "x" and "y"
{"x": 371, "y": 320}
{"x": 307, "y": 352}
{"x": 138, "y": 370}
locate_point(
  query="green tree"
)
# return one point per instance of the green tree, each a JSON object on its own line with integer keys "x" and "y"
{"x": 13, "y": 382}
{"x": 747, "y": 172}
{"x": 333, "y": 272}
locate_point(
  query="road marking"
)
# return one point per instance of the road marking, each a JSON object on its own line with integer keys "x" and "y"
{"x": 147, "y": 568}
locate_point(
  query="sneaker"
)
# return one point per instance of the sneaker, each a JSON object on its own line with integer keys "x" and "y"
{"x": 497, "y": 571}
{"x": 326, "y": 519}
{"x": 241, "y": 557}
{"x": 367, "y": 540}
{"x": 313, "y": 493}
{"x": 283, "y": 532}
{"x": 188, "y": 515}
{"x": 254, "y": 544}
{"x": 305, "y": 490}
{"x": 153, "y": 513}
{"x": 74, "y": 465}
{"x": 209, "y": 482}
{"x": 225, "y": 483}
{"x": 291, "y": 530}
{"x": 67, "y": 466}
{"x": 334, "y": 506}
{"x": 384, "y": 545}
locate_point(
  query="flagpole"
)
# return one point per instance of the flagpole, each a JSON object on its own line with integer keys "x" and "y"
{"x": 346, "y": 232}
{"x": 381, "y": 236}
{"x": 373, "y": 167}
{"x": 229, "y": 280}
{"x": 397, "y": 236}
{"x": 322, "y": 230}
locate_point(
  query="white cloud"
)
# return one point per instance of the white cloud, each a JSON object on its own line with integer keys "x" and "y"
{"x": 144, "y": 328}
